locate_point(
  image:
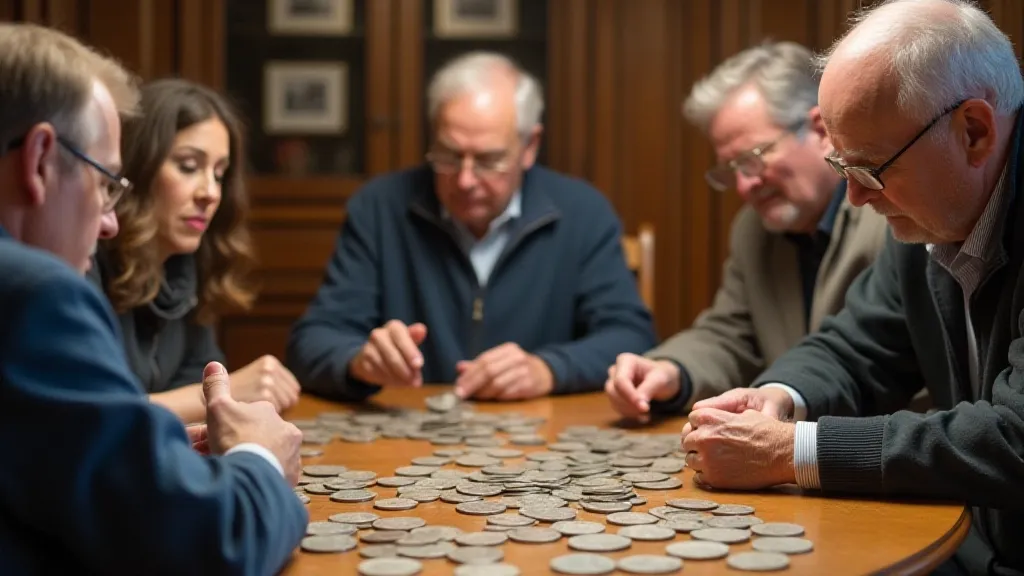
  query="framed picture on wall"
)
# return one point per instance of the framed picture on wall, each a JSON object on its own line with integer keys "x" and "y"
{"x": 309, "y": 17}
{"x": 305, "y": 97}
{"x": 475, "y": 18}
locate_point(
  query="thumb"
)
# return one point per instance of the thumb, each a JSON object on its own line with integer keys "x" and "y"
{"x": 706, "y": 416}
{"x": 215, "y": 383}
{"x": 648, "y": 388}
{"x": 418, "y": 332}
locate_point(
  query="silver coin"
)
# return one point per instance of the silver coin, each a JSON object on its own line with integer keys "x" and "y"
{"x": 323, "y": 470}
{"x": 442, "y": 402}
{"x": 476, "y": 555}
{"x": 733, "y": 522}
{"x": 723, "y": 535}
{"x": 682, "y": 525}
{"x": 318, "y": 489}
{"x": 758, "y": 561}
{"x": 415, "y": 471}
{"x": 582, "y": 564}
{"x": 390, "y": 567}
{"x": 541, "y": 501}
{"x": 453, "y": 497}
{"x": 421, "y": 494}
{"x": 421, "y": 539}
{"x": 569, "y": 495}
{"x": 487, "y": 570}
{"x": 325, "y": 528}
{"x": 650, "y": 564}
{"x": 329, "y": 543}
{"x": 599, "y": 542}
{"x": 303, "y": 498}
{"x": 697, "y": 550}
{"x": 647, "y": 532}
{"x": 383, "y": 536}
{"x": 668, "y": 465}
{"x": 356, "y": 518}
{"x": 635, "y": 477}
{"x": 310, "y": 452}
{"x": 732, "y": 510}
{"x": 504, "y": 453}
{"x": 777, "y": 529}
{"x": 527, "y": 439}
{"x": 631, "y": 518}
{"x": 534, "y": 535}
{"x": 358, "y": 475}
{"x": 352, "y": 496}
{"x": 510, "y": 520}
{"x": 339, "y": 484}
{"x": 358, "y": 437}
{"x": 444, "y": 533}
{"x": 549, "y": 514}
{"x": 439, "y": 550}
{"x": 669, "y": 484}
{"x": 378, "y": 551}
{"x": 638, "y": 500}
{"x": 477, "y": 461}
{"x": 481, "y": 508}
{"x": 477, "y": 489}
{"x": 398, "y": 523}
{"x": 691, "y": 504}
{"x": 783, "y": 545}
{"x": 431, "y": 461}
{"x": 395, "y": 481}
{"x": 577, "y": 527}
{"x": 449, "y": 452}
{"x": 436, "y": 483}
{"x": 606, "y": 507}
{"x": 395, "y": 504}
{"x": 481, "y": 538}
{"x": 496, "y": 528}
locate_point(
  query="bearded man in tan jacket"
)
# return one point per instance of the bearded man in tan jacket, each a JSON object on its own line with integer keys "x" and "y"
{"x": 795, "y": 246}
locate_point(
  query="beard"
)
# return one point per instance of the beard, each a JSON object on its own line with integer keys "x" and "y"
{"x": 781, "y": 217}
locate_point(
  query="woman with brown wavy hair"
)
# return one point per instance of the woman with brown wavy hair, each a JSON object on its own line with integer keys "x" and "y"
{"x": 184, "y": 255}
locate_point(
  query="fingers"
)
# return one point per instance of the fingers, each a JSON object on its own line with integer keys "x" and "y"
{"x": 619, "y": 401}
{"x": 735, "y": 401}
{"x": 653, "y": 384}
{"x": 709, "y": 416}
{"x": 418, "y": 332}
{"x": 196, "y": 432}
{"x": 406, "y": 346}
{"x": 215, "y": 384}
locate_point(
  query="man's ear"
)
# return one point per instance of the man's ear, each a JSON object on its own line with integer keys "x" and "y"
{"x": 817, "y": 126}
{"x": 532, "y": 147}
{"x": 40, "y": 161}
{"x": 980, "y": 135}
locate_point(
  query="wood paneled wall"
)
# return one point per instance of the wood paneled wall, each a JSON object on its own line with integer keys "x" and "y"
{"x": 619, "y": 71}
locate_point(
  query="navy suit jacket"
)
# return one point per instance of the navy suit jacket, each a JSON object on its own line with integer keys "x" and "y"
{"x": 96, "y": 479}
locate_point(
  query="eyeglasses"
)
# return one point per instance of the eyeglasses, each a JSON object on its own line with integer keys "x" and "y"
{"x": 871, "y": 178}
{"x": 114, "y": 187}
{"x": 751, "y": 163}
{"x": 448, "y": 163}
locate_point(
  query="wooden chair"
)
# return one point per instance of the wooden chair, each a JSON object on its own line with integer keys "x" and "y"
{"x": 639, "y": 252}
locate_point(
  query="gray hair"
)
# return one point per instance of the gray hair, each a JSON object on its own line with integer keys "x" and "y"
{"x": 473, "y": 72}
{"x": 940, "y": 59}
{"x": 782, "y": 73}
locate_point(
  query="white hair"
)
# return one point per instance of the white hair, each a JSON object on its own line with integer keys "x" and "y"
{"x": 940, "y": 52}
{"x": 473, "y": 72}
{"x": 781, "y": 72}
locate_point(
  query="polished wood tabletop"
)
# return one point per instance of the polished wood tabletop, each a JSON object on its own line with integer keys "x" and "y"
{"x": 851, "y": 536}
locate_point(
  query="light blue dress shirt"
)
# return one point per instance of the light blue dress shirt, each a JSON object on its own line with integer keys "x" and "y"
{"x": 484, "y": 252}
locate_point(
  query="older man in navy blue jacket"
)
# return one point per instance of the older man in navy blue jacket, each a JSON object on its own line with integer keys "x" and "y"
{"x": 481, "y": 268}
{"x": 96, "y": 479}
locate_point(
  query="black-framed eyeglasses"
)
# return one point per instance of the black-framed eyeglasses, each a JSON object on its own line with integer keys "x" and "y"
{"x": 750, "y": 163}
{"x": 871, "y": 178}
{"x": 444, "y": 162}
{"x": 114, "y": 188}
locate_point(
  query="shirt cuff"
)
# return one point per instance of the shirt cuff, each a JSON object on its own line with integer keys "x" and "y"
{"x": 805, "y": 455}
{"x": 258, "y": 450}
{"x": 799, "y": 404}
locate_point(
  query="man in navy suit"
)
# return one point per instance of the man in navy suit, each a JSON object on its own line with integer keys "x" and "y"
{"x": 96, "y": 479}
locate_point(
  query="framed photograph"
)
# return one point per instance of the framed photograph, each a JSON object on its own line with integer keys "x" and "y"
{"x": 309, "y": 17}
{"x": 305, "y": 97}
{"x": 475, "y": 18}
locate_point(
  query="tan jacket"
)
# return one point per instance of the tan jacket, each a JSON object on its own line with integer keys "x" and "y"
{"x": 758, "y": 312}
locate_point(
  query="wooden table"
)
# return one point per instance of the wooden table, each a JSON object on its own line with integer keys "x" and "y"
{"x": 851, "y": 536}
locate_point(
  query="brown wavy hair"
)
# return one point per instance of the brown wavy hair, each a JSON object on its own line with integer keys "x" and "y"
{"x": 226, "y": 257}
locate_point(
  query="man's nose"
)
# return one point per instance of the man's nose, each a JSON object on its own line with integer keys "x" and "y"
{"x": 108, "y": 225}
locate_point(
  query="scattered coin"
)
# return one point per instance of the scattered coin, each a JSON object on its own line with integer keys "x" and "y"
{"x": 442, "y": 402}
{"x": 398, "y": 523}
{"x": 481, "y": 538}
{"x": 445, "y": 533}
{"x": 690, "y": 504}
{"x": 723, "y": 535}
{"x": 378, "y": 551}
{"x": 329, "y": 543}
{"x": 325, "y": 528}
{"x": 422, "y": 495}
{"x": 382, "y": 536}
{"x": 390, "y": 567}
{"x": 439, "y": 550}
{"x": 577, "y": 527}
{"x": 352, "y": 496}
{"x": 323, "y": 470}
{"x": 647, "y": 532}
{"x": 310, "y": 452}
{"x": 549, "y": 514}
{"x": 482, "y": 508}
{"x": 733, "y": 522}
{"x": 487, "y": 570}
{"x": 668, "y": 484}
{"x": 758, "y": 561}
{"x": 303, "y": 498}
{"x": 599, "y": 542}
{"x": 697, "y": 550}
{"x": 582, "y": 564}
{"x": 431, "y": 461}
{"x": 395, "y": 504}
{"x": 534, "y": 535}
{"x": 504, "y": 453}
{"x": 783, "y": 545}
{"x": 510, "y": 520}
{"x": 682, "y": 524}
{"x": 631, "y": 518}
{"x": 732, "y": 510}
{"x": 416, "y": 471}
{"x": 777, "y": 529}
{"x": 476, "y": 555}
{"x": 650, "y": 564}
{"x": 606, "y": 507}
{"x": 363, "y": 475}
{"x": 422, "y": 539}
{"x": 359, "y": 519}
{"x": 395, "y": 481}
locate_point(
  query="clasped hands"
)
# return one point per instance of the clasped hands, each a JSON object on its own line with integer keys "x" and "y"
{"x": 391, "y": 357}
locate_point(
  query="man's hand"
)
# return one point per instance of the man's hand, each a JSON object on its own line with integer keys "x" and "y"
{"x": 391, "y": 357}
{"x": 197, "y": 435}
{"x": 772, "y": 402}
{"x": 265, "y": 379}
{"x": 505, "y": 372}
{"x": 634, "y": 381}
{"x": 230, "y": 423}
{"x": 743, "y": 451}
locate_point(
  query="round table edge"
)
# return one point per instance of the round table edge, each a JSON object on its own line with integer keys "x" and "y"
{"x": 938, "y": 552}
